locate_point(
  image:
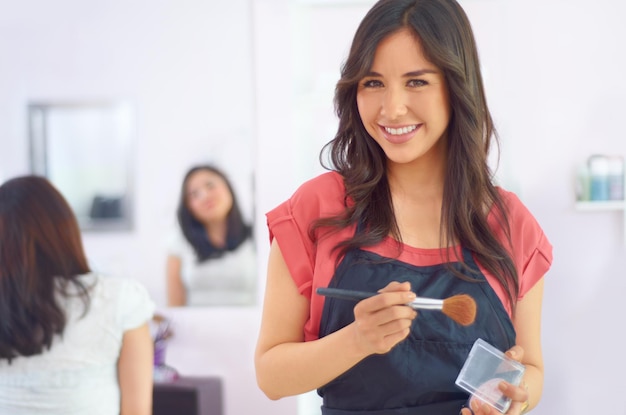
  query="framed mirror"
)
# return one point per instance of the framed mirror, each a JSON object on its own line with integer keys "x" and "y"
{"x": 85, "y": 150}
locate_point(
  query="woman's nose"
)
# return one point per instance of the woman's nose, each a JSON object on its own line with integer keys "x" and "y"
{"x": 201, "y": 194}
{"x": 394, "y": 103}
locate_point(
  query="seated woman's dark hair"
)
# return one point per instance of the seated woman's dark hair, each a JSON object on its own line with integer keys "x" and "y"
{"x": 41, "y": 254}
{"x": 195, "y": 233}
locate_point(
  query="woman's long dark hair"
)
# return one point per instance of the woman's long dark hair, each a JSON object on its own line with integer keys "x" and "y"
{"x": 237, "y": 230}
{"x": 41, "y": 254}
{"x": 445, "y": 34}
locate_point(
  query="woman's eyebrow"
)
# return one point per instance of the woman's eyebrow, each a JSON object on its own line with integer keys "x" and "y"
{"x": 419, "y": 72}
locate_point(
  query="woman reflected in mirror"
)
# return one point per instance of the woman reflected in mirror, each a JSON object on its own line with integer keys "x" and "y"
{"x": 211, "y": 256}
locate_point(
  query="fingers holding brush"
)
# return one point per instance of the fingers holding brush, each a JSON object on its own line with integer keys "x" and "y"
{"x": 396, "y": 286}
{"x": 383, "y": 320}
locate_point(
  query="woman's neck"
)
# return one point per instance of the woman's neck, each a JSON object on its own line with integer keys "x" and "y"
{"x": 216, "y": 232}
{"x": 417, "y": 197}
{"x": 417, "y": 182}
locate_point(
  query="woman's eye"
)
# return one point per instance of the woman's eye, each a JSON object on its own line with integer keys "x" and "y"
{"x": 372, "y": 83}
{"x": 416, "y": 83}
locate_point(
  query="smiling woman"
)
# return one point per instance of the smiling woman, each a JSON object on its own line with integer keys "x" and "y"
{"x": 211, "y": 258}
{"x": 408, "y": 206}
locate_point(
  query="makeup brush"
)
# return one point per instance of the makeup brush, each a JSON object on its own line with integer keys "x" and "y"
{"x": 460, "y": 308}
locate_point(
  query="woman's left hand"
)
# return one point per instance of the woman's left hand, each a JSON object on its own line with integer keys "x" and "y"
{"x": 518, "y": 394}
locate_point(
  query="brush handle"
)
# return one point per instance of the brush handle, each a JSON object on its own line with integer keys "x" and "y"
{"x": 339, "y": 293}
{"x": 344, "y": 294}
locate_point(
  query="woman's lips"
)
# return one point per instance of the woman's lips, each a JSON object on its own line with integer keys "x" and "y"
{"x": 402, "y": 137}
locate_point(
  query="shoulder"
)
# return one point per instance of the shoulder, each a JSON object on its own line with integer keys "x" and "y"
{"x": 113, "y": 288}
{"x": 330, "y": 181}
{"x": 513, "y": 203}
{"x": 522, "y": 223}
{"x": 176, "y": 243}
{"x": 325, "y": 189}
{"x": 247, "y": 246}
{"x": 321, "y": 196}
{"x": 131, "y": 300}
{"x": 112, "y": 285}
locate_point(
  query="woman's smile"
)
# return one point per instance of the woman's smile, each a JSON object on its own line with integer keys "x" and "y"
{"x": 400, "y": 134}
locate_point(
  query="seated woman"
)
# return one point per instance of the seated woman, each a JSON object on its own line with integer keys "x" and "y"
{"x": 71, "y": 341}
{"x": 211, "y": 258}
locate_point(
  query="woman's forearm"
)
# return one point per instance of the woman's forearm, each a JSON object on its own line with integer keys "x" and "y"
{"x": 176, "y": 293}
{"x": 289, "y": 369}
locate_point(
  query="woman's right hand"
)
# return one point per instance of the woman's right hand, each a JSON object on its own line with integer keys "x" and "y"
{"x": 384, "y": 320}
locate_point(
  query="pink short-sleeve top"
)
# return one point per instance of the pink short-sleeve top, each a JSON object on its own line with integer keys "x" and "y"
{"x": 311, "y": 260}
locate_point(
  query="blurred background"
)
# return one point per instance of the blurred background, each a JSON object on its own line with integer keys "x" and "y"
{"x": 248, "y": 85}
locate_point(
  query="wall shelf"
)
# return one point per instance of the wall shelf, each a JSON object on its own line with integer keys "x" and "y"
{"x": 589, "y": 206}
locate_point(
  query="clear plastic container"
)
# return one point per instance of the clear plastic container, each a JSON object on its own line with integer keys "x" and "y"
{"x": 484, "y": 368}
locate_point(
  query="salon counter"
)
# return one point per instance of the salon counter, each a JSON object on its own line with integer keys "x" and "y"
{"x": 188, "y": 395}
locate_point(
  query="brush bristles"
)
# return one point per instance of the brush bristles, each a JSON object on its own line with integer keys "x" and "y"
{"x": 460, "y": 308}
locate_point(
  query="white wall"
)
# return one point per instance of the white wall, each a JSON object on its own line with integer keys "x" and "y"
{"x": 554, "y": 73}
{"x": 564, "y": 99}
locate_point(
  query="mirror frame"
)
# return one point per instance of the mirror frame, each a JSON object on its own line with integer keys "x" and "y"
{"x": 106, "y": 213}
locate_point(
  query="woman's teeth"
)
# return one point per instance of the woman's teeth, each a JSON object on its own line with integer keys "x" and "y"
{"x": 399, "y": 131}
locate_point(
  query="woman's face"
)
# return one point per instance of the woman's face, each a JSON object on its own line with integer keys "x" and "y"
{"x": 208, "y": 197}
{"x": 403, "y": 101}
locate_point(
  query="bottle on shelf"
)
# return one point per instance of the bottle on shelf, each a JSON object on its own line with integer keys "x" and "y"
{"x": 599, "y": 173}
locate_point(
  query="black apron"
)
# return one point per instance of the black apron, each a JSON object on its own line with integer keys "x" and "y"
{"x": 417, "y": 376}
